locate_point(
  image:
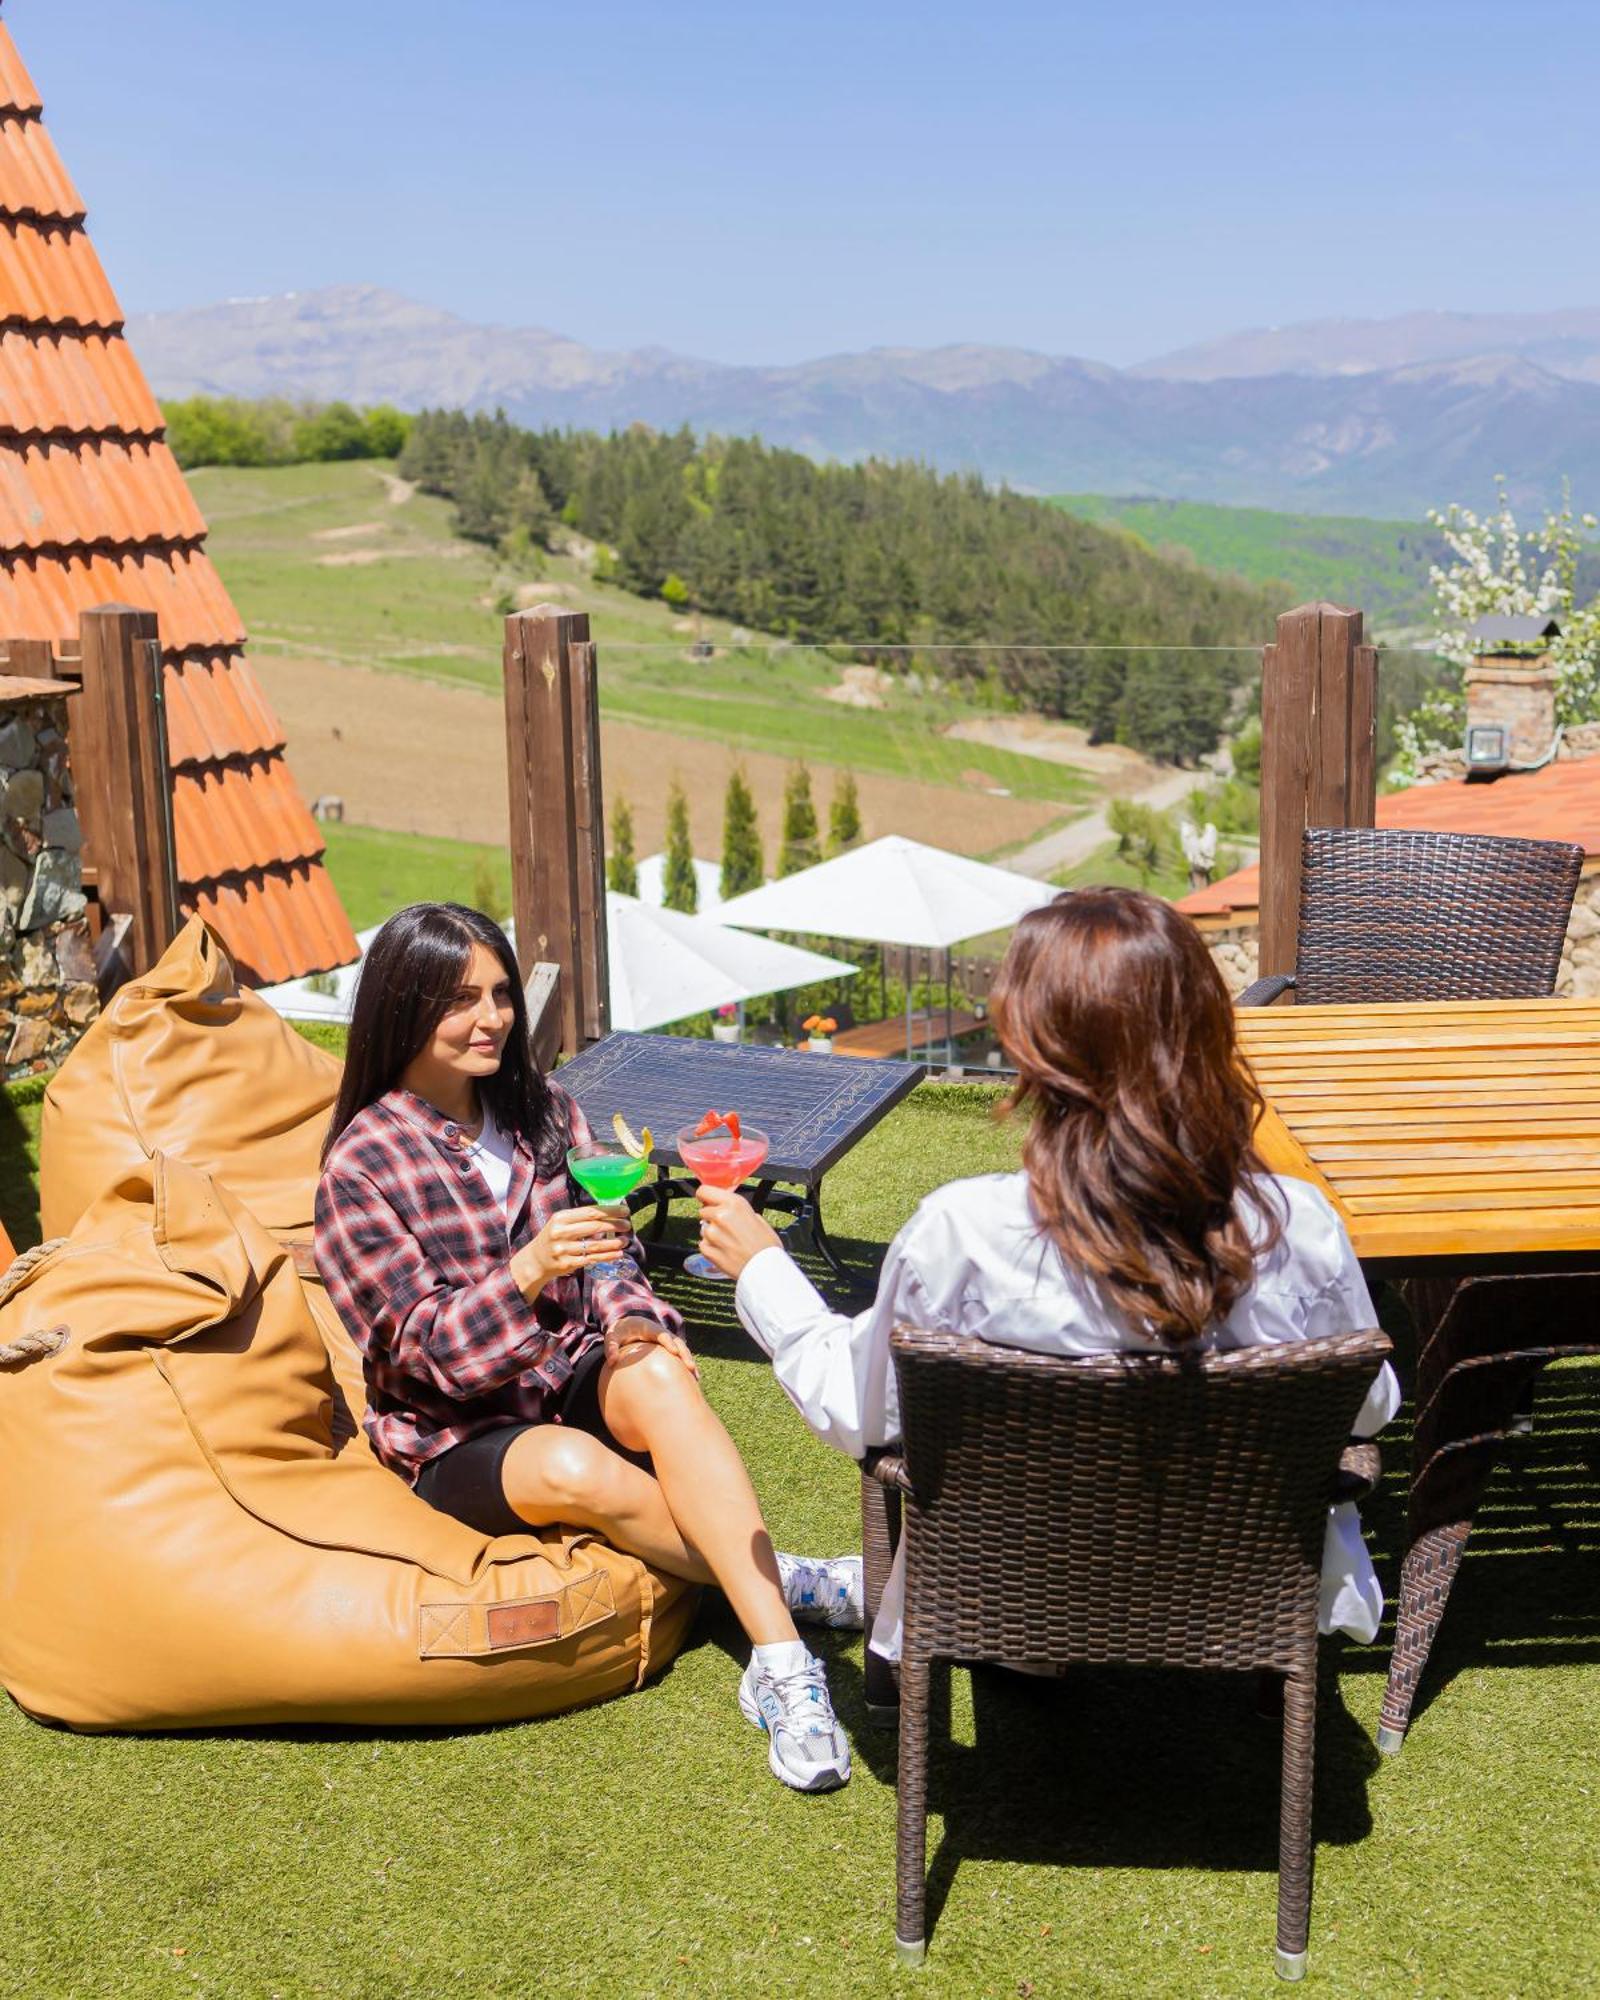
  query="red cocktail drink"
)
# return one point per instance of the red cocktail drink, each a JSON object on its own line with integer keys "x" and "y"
{"x": 723, "y": 1158}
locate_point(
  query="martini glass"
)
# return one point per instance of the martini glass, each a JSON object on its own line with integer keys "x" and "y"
{"x": 719, "y": 1160}
{"x": 608, "y": 1175}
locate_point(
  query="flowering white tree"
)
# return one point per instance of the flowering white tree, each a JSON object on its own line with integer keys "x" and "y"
{"x": 1500, "y": 567}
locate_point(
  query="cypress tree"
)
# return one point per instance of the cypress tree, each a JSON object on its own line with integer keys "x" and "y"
{"x": 800, "y": 848}
{"x": 622, "y": 870}
{"x": 679, "y": 890}
{"x": 742, "y": 864}
{"x": 844, "y": 814}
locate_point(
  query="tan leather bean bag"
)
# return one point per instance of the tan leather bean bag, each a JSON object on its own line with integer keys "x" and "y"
{"x": 187, "y": 1536}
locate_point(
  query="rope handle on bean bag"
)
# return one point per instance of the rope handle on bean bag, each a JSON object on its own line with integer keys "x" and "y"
{"x": 50, "y": 1339}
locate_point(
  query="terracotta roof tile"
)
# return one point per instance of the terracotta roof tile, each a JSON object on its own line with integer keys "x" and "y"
{"x": 16, "y": 86}
{"x": 278, "y": 926}
{"x": 216, "y": 710}
{"x": 66, "y": 495}
{"x": 1561, "y": 802}
{"x": 32, "y": 178}
{"x": 94, "y": 475}
{"x": 52, "y": 277}
{"x": 82, "y": 383}
{"x": 232, "y": 818}
{"x": 40, "y": 598}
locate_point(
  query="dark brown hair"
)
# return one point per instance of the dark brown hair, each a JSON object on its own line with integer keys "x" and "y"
{"x": 1140, "y": 1155}
{"x": 409, "y": 977}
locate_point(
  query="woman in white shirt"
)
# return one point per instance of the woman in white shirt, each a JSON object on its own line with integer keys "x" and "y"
{"x": 1142, "y": 1216}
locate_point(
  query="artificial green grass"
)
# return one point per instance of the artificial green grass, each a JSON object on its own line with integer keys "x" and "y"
{"x": 1112, "y": 1834}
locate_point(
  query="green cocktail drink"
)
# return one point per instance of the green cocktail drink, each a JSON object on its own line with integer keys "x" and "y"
{"x": 608, "y": 1175}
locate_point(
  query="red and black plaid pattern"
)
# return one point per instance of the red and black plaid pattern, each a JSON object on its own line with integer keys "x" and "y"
{"x": 415, "y": 1252}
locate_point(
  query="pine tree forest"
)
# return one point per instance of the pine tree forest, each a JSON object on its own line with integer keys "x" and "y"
{"x": 886, "y": 557}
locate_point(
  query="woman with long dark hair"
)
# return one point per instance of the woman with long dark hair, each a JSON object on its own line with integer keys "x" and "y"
{"x": 1142, "y": 1217}
{"x": 520, "y": 1370}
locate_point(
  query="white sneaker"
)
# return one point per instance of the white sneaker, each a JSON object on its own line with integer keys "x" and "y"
{"x": 824, "y": 1590}
{"x": 805, "y": 1745}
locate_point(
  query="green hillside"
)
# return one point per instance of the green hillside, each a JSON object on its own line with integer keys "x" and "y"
{"x": 1379, "y": 566}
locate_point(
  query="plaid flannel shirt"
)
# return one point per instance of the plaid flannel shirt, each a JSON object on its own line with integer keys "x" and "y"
{"x": 415, "y": 1252}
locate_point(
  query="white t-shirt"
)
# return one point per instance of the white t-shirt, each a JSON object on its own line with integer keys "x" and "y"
{"x": 492, "y": 1153}
{"x": 973, "y": 1260}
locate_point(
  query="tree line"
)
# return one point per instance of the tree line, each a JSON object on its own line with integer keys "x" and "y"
{"x": 743, "y": 864}
{"x": 1067, "y": 618}
{"x": 272, "y": 430}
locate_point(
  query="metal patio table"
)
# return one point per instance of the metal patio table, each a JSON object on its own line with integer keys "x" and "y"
{"x": 1459, "y": 1142}
{"x": 813, "y": 1108}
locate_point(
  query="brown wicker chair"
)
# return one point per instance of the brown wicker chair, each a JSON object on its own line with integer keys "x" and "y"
{"x": 1114, "y": 1509}
{"x": 1389, "y": 914}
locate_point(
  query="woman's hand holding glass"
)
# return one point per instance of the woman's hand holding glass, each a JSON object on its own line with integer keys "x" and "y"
{"x": 731, "y": 1232}
{"x": 573, "y": 1240}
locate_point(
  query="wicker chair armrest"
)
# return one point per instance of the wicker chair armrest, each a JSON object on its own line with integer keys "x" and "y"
{"x": 1360, "y": 1469}
{"x": 1265, "y": 991}
{"x": 886, "y": 1465}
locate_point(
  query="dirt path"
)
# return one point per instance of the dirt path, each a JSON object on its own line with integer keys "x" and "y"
{"x": 417, "y": 756}
{"x": 1069, "y": 845}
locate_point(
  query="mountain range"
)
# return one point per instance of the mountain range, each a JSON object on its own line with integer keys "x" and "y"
{"x": 1376, "y": 417}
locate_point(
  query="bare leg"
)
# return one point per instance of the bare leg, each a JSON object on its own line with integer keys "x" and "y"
{"x": 651, "y": 1402}
{"x": 554, "y": 1474}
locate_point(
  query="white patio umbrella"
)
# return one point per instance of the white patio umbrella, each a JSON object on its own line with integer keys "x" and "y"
{"x": 707, "y": 882}
{"x": 664, "y": 966}
{"x": 895, "y": 891}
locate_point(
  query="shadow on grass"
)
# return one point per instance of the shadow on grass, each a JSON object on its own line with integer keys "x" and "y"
{"x": 1115, "y": 1768}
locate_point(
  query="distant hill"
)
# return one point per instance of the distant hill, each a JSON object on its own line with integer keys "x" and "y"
{"x": 1381, "y": 566}
{"x": 1339, "y": 437}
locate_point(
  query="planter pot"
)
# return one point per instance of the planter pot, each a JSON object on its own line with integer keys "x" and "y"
{"x": 823, "y": 1044}
{"x": 725, "y": 1031}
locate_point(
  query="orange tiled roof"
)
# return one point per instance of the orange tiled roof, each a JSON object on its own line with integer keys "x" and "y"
{"x": 1561, "y": 802}
{"x": 87, "y": 384}
{"x": 94, "y": 510}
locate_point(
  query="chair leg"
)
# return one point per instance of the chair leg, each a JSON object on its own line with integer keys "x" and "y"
{"x": 1425, "y": 1579}
{"x": 880, "y": 1524}
{"x": 911, "y": 1821}
{"x": 1294, "y": 1823}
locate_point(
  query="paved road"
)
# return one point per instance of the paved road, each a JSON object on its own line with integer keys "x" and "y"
{"x": 1071, "y": 844}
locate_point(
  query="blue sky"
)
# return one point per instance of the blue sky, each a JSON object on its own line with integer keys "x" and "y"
{"x": 763, "y": 182}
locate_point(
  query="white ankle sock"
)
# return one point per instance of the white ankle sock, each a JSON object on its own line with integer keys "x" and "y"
{"x": 788, "y": 1657}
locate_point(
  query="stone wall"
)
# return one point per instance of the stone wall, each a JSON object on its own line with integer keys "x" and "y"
{"x": 47, "y": 984}
{"x": 1236, "y": 949}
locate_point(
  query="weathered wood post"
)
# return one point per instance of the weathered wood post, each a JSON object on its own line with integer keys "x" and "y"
{"x": 557, "y": 826}
{"x": 118, "y": 746}
{"x": 1319, "y": 704}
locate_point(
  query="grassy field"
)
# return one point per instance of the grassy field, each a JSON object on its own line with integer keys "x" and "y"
{"x": 377, "y": 872}
{"x": 1108, "y": 1836}
{"x": 1382, "y": 566}
{"x": 324, "y": 560}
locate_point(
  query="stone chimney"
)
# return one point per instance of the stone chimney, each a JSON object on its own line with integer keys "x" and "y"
{"x": 1514, "y": 690}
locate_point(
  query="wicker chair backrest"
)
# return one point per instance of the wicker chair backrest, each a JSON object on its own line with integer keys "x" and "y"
{"x": 1121, "y": 1508}
{"x": 1390, "y": 914}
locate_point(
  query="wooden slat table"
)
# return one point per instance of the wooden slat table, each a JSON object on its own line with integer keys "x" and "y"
{"x": 1460, "y": 1142}
{"x": 1462, "y": 1129}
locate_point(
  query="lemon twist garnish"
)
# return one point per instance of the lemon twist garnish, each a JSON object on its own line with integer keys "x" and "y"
{"x": 635, "y": 1145}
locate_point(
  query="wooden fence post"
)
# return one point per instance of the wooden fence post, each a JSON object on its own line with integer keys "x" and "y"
{"x": 557, "y": 823}
{"x": 123, "y": 780}
{"x": 1319, "y": 702}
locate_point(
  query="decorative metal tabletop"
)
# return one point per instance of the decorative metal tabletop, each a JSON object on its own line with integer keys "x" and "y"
{"x": 812, "y": 1107}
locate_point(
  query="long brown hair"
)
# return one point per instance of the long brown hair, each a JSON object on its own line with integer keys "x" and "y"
{"x": 1140, "y": 1152}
